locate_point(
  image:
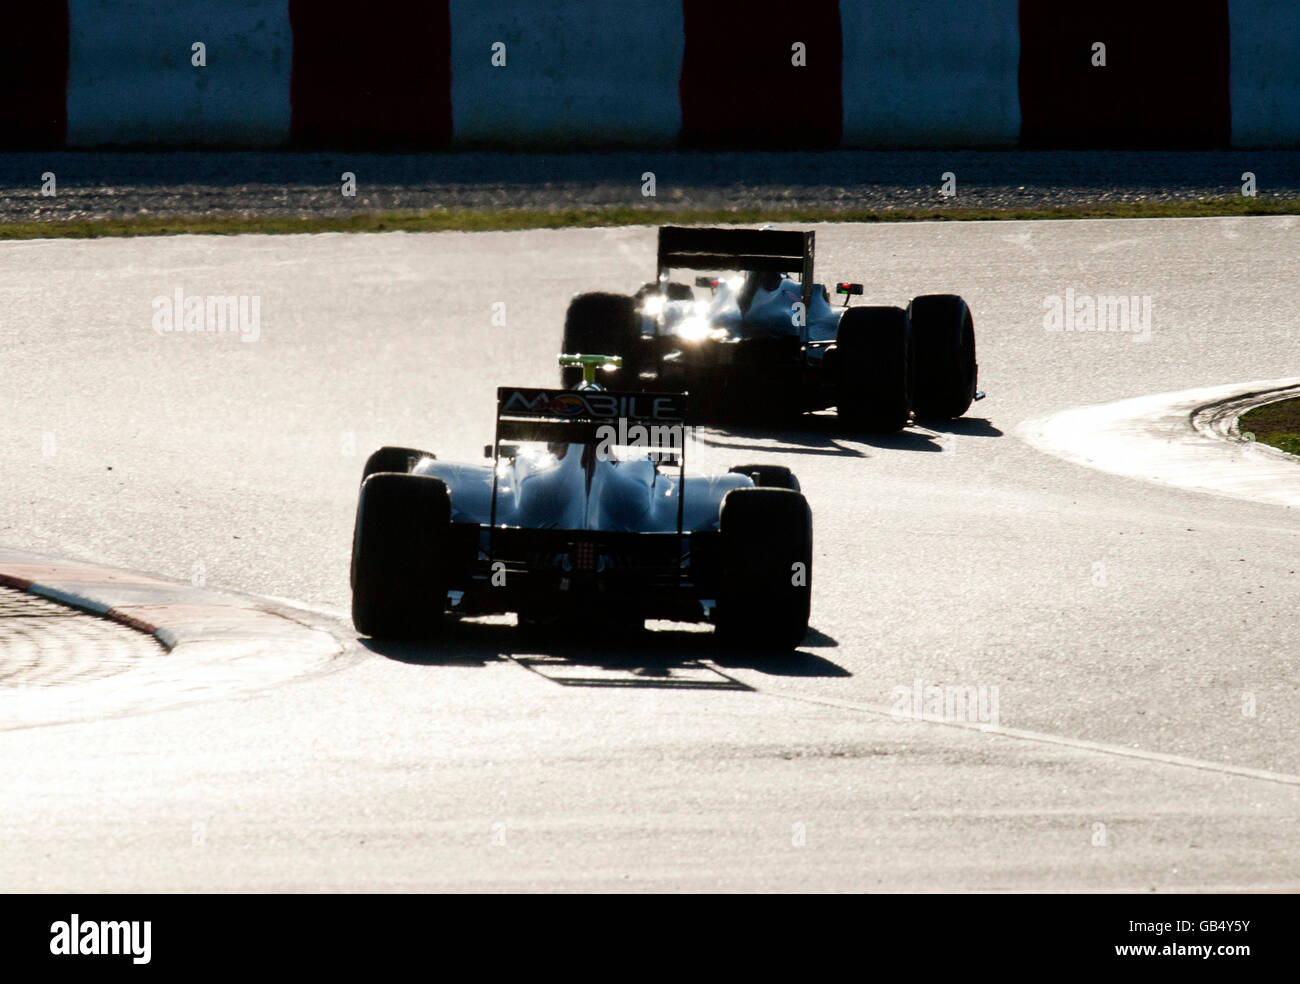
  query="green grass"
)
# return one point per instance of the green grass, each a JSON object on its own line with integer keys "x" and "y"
{"x": 1277, "y": 424}
{"x": 481, "y": 220}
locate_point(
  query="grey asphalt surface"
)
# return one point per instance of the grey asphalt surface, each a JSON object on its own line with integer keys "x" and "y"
{"x": 94, "y": 185}
{"x": 1105, "y": 610}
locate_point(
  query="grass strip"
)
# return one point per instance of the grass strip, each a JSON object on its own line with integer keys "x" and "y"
{"x": 1277, "y": 424}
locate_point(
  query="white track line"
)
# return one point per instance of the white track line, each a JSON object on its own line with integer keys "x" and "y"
{"x": 1019, "y": 734}
{"x": 1099, "y": 747}
{"x": 1080, "y": 744}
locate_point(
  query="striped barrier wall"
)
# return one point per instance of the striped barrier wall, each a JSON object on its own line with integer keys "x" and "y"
{"x": 1264, "y": 85}
{"x": 429, "y": 74}
{"x": 132, "y": 78}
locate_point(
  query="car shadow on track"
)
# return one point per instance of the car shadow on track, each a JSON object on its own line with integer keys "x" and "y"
{"x": 663, "y": 658}
{"x": 963, "y": 426}
{"x": 816, "y": 438}
{"x": 824, "y": 434}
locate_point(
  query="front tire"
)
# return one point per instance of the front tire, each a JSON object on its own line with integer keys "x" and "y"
{"x": 871, "y": 358}
{"x": 768, "y": 476}
{"x": 603, "y": 324}
{"x": 944, "y": 372}
{"x": 399, "y": 551}
{"x": 764, "y": 597}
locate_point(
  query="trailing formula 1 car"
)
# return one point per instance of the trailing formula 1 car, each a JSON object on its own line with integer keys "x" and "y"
{"x": 767, "y": 344}
{"x": 584, "y": 513}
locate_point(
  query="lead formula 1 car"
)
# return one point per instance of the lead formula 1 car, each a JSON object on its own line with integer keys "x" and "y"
{"x": 585, "y": 513}
{"x": 767, "y": 342}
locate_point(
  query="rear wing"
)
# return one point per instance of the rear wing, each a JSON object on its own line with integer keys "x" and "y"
{"x": 592, "y": 417}
{"x": 774, "y": 250}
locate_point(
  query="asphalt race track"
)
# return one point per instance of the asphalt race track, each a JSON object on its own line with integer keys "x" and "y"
{"x": 1142, "y": 638}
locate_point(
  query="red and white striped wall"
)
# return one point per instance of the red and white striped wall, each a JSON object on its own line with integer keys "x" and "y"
{"x": 726, "y": 73}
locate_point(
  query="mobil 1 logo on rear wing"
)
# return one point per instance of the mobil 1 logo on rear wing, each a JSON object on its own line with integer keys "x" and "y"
{"x": 591, "y": 405}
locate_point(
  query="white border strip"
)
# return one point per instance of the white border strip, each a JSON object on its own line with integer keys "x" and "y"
{"x": 1155, "y": 439}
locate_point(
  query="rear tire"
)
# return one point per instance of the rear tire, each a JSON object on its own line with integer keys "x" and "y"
{"x": 603, "y": 324}
{"x": 872, "y": 365}
{"x": 764, "y": 598}
{"x": 944, "y": 372}
{"x": 400, "y": 460}
{"x": 399, "y": 551}
{"x": 768, "y": 476}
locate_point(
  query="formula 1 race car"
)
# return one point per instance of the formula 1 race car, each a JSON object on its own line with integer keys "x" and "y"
{"x": 765, "y": 344}
{"x": 584, "y": 513}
